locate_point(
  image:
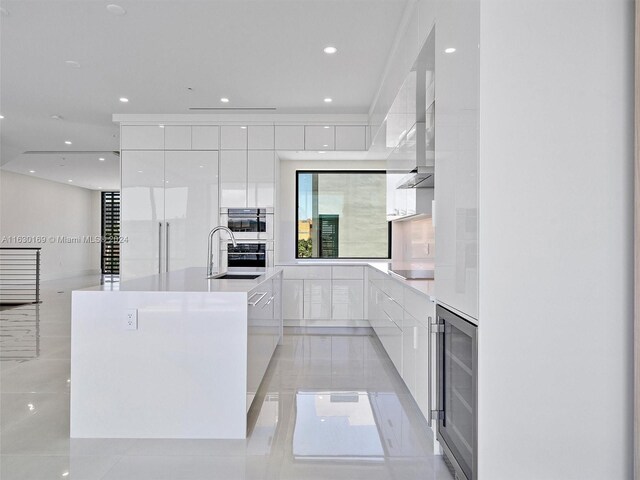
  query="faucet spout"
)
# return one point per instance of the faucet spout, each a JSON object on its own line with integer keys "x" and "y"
{"x": 210, "y": 246}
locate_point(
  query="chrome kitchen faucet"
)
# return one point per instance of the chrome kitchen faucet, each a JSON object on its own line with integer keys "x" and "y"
{"x": 210, "y": 250}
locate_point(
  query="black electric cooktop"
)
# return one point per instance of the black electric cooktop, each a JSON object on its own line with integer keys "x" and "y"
{"x": 414, "y": 274}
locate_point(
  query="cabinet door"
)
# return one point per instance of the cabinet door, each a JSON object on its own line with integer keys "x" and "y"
{"x": 317, "y": 299}
{"x": 347, "y": 299}
{"x": 204, "y": 137}
{"x": 350, "y": 137}
{"x": 142, "y": 213}
{"x": 421, "y": 394}
{"x": 261, "y": 137}
{"x": 319, "y": 137}
{"x": 277, "y": 310}
{"x": 177, "y": 137}
{"x": 292, "y": 301}
{"x": 260, "y": 178}
{"x": 233, "y": 137}
{"x": 191, "y": 206}
{"x": 141, "y": 137}
{"x": 233, "y": 178}
{"x": 289, "y": 137}
{"x": 409, "y": 352}
{"x": 259, "y": 342}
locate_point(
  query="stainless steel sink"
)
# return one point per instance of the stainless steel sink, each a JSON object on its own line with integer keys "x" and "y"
{"x": 235, "y": 276}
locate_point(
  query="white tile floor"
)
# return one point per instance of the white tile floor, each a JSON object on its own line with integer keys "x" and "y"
{"x": 331, "y": 407}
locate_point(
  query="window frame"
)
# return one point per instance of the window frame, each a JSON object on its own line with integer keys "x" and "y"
{"x": 335, "y": 259}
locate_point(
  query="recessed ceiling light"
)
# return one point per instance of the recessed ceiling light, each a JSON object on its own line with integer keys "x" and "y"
{"x": 243, "y": 128}
{"x": 449, "y": 50}
{"x": 124, "y": 99}
{"x": 328, "y": 100}
{"x": 68, "y": 142}
{"x": 101, "y": 159}
{"x": 139, "y": 171}
{"x": 224, "y": 100}
{"x": 1, "y": 117}
{"x": 161, "y": 126}
{"x": 116, "y": 9}
{"x": 56, "y": 117}
{"x": 72, "y": 63}
{"x": 325, "y": 145}
{"x": 327, "y": 126}
{"x": 69, "y": 180}
{"x": 201, "y": 166}
{"x": 32, "y": 171}
{"x": 330, "y": 50}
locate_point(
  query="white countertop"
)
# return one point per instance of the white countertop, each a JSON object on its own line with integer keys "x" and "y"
{"x": 426, "y": 287}
{"x": 187, "y": 280}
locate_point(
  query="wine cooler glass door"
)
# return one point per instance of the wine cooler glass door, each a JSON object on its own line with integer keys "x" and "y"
{"x": 458, "y": 374}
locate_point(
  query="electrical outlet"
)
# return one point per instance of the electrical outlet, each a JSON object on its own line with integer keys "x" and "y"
{"x": 131, "y": 319}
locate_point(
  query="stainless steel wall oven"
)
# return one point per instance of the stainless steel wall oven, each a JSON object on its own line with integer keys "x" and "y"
{"x": 249, "y": 223}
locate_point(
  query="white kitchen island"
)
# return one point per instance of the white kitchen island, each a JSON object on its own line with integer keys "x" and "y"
{"x": 191, "y": 366}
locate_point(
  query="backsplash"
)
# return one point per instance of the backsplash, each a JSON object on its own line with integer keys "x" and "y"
{"x": 413, "y": 240}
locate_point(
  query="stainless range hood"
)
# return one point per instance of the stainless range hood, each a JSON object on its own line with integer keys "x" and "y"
{"x": 420, "y": 177}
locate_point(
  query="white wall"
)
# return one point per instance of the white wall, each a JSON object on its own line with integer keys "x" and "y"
{"x": 34, "y": 207}
{"x": 285, "y": 216}
{"x": 556, "y": 171}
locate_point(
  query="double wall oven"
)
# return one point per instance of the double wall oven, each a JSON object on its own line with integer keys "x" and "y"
{"x": 457, "y": 380}
{"x": 253, "y": 230}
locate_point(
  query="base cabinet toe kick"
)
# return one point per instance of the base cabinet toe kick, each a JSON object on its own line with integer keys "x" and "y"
{"x": 186, "y": 354}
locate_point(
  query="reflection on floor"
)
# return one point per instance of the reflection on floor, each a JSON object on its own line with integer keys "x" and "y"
{"x": 331, "y": 407}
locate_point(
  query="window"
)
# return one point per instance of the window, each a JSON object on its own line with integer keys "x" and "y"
{"x": 342, "y": 214}
{"x": 110, "y": 233}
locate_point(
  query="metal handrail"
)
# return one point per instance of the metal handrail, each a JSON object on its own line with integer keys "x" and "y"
{"x": 19, "y": 275}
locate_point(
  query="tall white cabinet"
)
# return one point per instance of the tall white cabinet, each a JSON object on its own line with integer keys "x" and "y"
{"x": 169, "y": 204}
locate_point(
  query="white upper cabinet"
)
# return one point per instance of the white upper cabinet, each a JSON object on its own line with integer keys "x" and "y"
{"x": 289, "y": 137}
{"x": 177, "y": 137}
{"x": 205, "y": 137}
{"x": 233, "y": 178}
{"x": 233, "y": 137}
{"x": 261, "y": 137}
{"x": 351, "y": 137}
{"x": 260, "y": 178}
{"x": 319, "y": 137}
{"x": 141, "y": 137}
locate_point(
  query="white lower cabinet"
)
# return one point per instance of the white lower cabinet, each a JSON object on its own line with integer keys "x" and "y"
{"x": 317, "y": 299}
{"x": 324, "y": 293}
{"x": 292, "y": 300}
{"x": 347, "y": 299}
{"x": 409, "y": 352}
{"x": 264, "y": 328}
{"x": 421, "y": 394}
{"x": 400, "y": 317}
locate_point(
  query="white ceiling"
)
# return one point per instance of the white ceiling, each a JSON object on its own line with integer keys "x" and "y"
{"x": 258, "y": 53}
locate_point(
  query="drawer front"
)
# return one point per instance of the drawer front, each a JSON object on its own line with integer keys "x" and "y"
{"x": 418, "y": 306}
{"x": 307, "y": 273}
{"x": 347, "y": 273}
